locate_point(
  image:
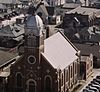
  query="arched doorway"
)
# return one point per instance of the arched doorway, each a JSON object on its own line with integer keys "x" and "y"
{"x": 31, "y": 85}
{"x": 19, "y": 86}
{"x": 48, "y": 84}
{"x": 19, "y": 79}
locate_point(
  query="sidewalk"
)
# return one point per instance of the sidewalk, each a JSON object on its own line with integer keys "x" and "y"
{"x": 85, "y": 83}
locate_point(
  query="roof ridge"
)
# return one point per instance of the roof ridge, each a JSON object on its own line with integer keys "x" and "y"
{"x": 68, "y": 41}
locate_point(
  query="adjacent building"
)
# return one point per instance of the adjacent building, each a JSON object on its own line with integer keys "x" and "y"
{"x": 86, "y": 66}
{"x": 55, "y": 2}
{"x": 79, "y": 24}
{"x": 87, "y": 49}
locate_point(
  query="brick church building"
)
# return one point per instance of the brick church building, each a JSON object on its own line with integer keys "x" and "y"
{"x": 45, "y": 65}
{"x": 49, "y": 65}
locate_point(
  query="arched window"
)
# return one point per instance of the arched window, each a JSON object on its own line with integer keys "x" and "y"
{"x": 67, "y": 75}
{"x": 62, "y": 79}
{"x": 48, "y": 84}
{"x": 32, "y": 41}
{"x": 31, "y": 85}
{"x": 19, "y": 80}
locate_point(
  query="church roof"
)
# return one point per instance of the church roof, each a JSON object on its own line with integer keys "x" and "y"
{"x": 59, "y": 51}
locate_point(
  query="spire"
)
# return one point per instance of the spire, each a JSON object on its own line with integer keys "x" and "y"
{"x": 34, "y": 38}
{"x": 34, "y": 23}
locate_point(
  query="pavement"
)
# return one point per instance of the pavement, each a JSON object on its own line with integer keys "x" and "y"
{"x": 85, "y": 83}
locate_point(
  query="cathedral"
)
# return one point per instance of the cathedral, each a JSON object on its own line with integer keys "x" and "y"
{"x": 45, "y": 65}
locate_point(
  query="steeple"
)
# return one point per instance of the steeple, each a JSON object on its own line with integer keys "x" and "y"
{"x": 33, "y": 32}
{"x": 34, "y": 37}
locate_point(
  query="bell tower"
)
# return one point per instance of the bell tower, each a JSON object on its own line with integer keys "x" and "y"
{"x": 34, "y": 44}
{"x": 26, "y": 71}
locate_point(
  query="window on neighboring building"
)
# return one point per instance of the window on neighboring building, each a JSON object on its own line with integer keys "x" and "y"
{"x": 48, "y": 84}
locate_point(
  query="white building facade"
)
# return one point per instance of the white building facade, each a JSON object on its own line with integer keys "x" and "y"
{"x": 55, "y": 2}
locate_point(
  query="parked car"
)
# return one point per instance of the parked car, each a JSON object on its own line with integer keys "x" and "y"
{"x": 98, "y": 77}
{"x": 94, "y": 82}
{"x": 88, "y": 90}
{"x": 94, "y": 85}
{"x": 92, "y": 88}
